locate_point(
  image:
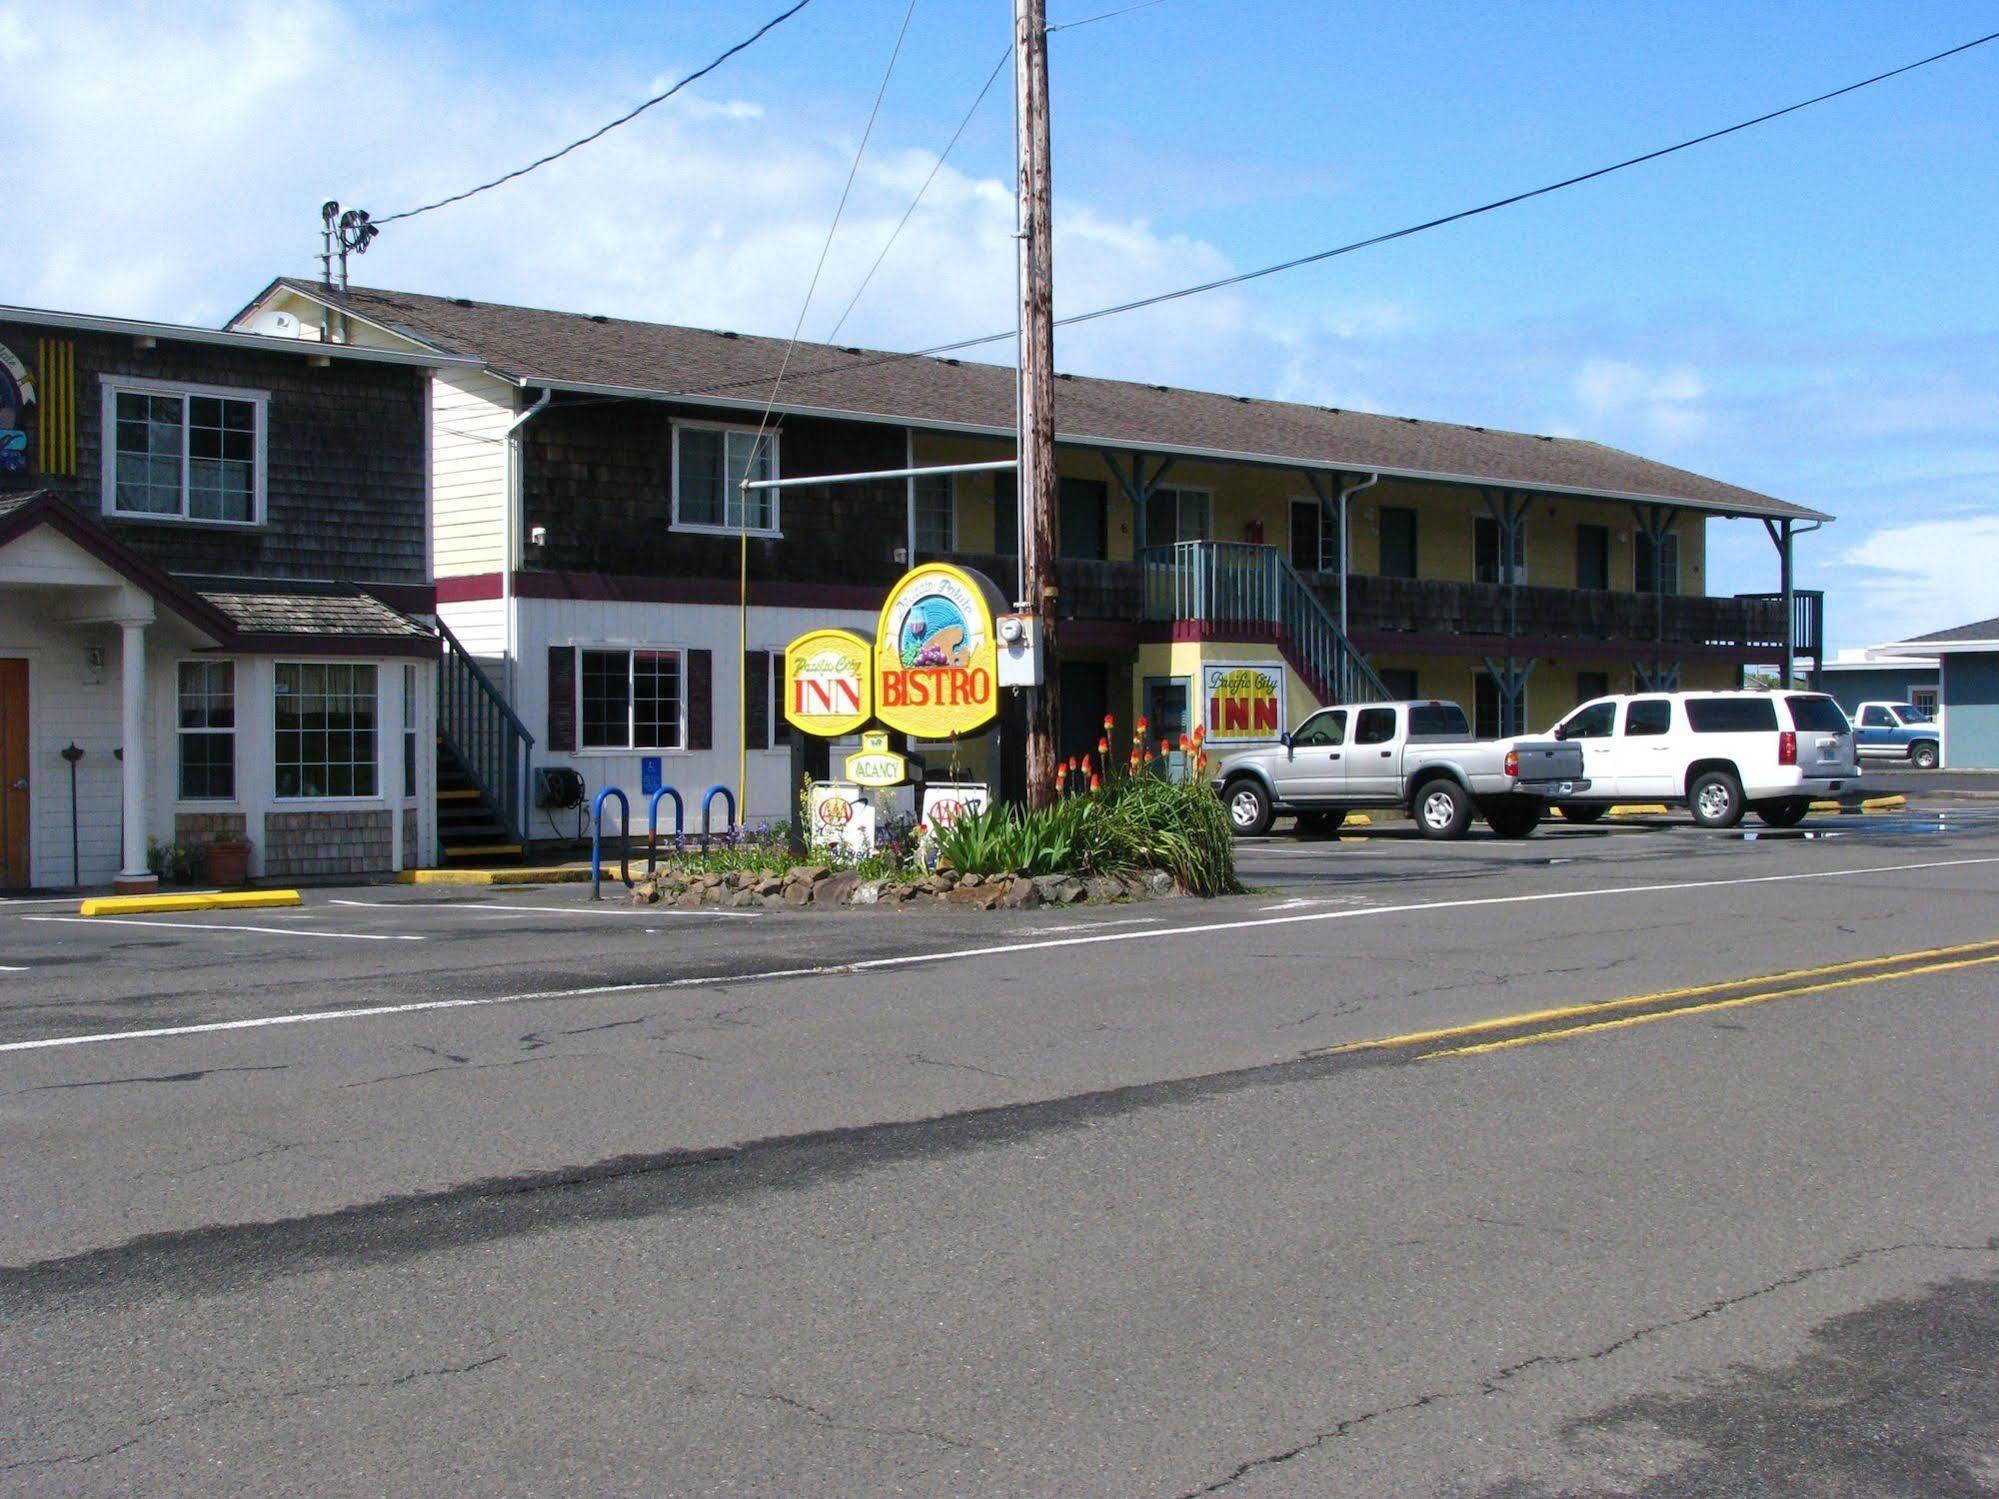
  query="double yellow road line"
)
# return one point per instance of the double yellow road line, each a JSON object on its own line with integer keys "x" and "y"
{"x": 1534, "y": 1026}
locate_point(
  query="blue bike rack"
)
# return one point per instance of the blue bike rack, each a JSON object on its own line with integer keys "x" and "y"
{"x": 597, "y": 841}
{"x": 707, "y": 802}
{"x": 652, "y": 825}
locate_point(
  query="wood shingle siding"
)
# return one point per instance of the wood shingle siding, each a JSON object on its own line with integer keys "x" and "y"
{"x": 344, "y": 452}
{"x": 599, "y": 477}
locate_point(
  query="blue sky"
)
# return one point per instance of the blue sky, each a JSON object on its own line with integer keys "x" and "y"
{"x": 1806, "y": 309}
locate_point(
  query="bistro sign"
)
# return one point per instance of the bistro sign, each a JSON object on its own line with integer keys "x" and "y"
{"x": 936, "y": 659}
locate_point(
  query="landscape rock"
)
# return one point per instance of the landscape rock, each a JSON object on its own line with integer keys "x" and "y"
{"x": 770, "y": 884}
{"x": 867, "y": 893}
{"x": 835, "y": 888}
{"x": 981, "y": 897}
{"x": 1060, "y": 889}
{"x": 971, "y": 881}
{"x": 1159, "y": 882}
{"x": 797, "y": 892}
{"x": 687, "y": 899}
{"x": 745, "y": 898}
{"x": 806, "y": 874}
{"x": 1020, "y": 895}
{"x": 1104, "y": 890}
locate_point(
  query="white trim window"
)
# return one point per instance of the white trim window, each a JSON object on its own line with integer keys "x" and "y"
{"x": 710, "y": 463}
{"x": 632, "y": 699}
{"x": 205, "y": 730}
{"x": 934, "y": 498}
{"x": 409, "y": 731}
{"x": 325, "y": 736}
{"x": 184, "y": 452}
{"x": 1174, "y": 513}
{"x": 1655, "y": 567}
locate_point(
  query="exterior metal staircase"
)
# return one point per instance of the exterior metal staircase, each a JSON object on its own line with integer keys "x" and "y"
{"x": 482, "y": 762}
{"x": 1236, "y": 590}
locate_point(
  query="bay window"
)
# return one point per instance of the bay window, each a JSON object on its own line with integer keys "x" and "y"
{"x": 325, "y": 729}
{"x": 206, "y": 730}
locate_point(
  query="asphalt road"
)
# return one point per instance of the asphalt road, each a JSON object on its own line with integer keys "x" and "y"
{"x": 427, "y": 1193}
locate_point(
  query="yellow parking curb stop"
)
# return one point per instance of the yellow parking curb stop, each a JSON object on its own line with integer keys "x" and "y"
{"x": 215, "y": 900}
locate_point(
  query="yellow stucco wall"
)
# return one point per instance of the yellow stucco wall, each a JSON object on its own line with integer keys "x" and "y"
{"x": 1244, "y": 497}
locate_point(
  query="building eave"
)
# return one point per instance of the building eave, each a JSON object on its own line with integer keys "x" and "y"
{"x": 181, "y": 333}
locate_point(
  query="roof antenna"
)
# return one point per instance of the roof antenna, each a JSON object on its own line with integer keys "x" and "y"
{"x": 342, "y": 232}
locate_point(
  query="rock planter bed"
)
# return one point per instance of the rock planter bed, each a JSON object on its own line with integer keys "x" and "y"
{"x": 818, "y": 885}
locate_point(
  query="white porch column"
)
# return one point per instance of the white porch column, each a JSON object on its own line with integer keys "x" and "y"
{"x": 133, "y": 876}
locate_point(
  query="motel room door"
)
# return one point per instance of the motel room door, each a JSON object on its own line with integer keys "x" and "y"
{"x": 1086, "y": 698}
{"x": 13, "y": 774}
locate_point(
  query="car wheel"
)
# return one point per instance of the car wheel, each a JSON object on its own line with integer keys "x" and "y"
{"x": 1923, "y": 755}
{"x": 1249, "y": 807}
{"x": 1320, "y": 824}
{"x": 1443, "y": 809}
{"x": 1580, "y": 812}
{"x": 1716, "y": 799}
{"x": 1785, "y": 814}
{"x": 1507, "y": 821}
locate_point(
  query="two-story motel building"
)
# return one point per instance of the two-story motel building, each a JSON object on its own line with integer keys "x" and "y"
{"x": 588, "y": 528}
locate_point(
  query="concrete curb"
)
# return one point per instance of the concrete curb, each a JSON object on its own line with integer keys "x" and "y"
{"x": 562, "y": 874}
{"x": 218, "y": 900}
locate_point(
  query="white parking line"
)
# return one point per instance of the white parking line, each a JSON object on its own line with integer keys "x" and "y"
{"x": 480, "y": 905}
{"x": 220, "y": 926}
{"x": 1084, "y": 926}
{"x": 9, "y": 968}
{"x": 962, "y": 954}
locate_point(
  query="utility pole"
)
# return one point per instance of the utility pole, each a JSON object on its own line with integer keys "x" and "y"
{"x": 1037, "y": 482}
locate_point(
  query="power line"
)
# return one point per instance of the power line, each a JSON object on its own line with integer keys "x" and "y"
{"x": 1123, "y": 10}
{"x": 832, "y": 229}
{"x": 1315, "y": 257}
{"x": 623, "y": 119}
{"x": 936, "y": 167}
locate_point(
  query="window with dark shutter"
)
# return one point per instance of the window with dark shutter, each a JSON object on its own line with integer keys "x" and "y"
{"x": 756, "y": 699}
{"x": 700, "y": 700}
{"x": 562, "y": 698}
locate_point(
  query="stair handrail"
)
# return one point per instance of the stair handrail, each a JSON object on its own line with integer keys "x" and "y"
{"x": 489, "y": 737}
{"x": 1235, "y": 582}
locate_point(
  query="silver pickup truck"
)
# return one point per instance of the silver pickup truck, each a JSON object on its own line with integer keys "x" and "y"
{"x": 1417, "y": 756}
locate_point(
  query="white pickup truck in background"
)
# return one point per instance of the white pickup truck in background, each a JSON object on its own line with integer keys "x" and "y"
{"x": 1417, "y": 756}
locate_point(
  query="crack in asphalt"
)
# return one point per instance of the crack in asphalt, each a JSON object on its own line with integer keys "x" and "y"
{"x": 144, "y": 1427}
{"x": 194, "y": 1076}
{"x": 1492, "y": 1383}
{"x": 831, "y": 1422}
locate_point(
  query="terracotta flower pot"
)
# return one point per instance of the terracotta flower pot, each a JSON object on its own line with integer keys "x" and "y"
{"x": 229, "y": 861}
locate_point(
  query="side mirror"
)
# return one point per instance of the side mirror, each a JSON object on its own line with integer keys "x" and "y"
{"x": 1285, "y": 739}
{"x": 1561, "y": 731}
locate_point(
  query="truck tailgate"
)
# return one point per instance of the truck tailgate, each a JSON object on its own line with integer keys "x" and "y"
{"x": 1549, "y": 760}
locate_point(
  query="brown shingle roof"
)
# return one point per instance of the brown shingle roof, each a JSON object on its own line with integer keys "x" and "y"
{"x": 287, "y": 609}
{"x": 535, "y": 347}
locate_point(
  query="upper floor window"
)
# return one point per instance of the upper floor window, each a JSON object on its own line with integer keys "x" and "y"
{"x": 1488, "y": 563}
{"x": 934, "y": 498}
{"x": 1176, "y": 514}
{"x": 1656, "y": 565}
{"x": 709, "y": 467}
{"x": 184, "y": 452}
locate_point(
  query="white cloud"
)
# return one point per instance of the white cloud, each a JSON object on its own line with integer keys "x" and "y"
{"x": 1659, "y": 404}
{"x": 1910, "y": 579}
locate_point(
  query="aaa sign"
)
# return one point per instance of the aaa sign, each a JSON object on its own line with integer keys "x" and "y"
{"x": 936, "y": 662}
{"x": 826, "y": 683}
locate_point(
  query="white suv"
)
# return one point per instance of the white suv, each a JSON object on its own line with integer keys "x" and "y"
{"x": 1719, "y": 753}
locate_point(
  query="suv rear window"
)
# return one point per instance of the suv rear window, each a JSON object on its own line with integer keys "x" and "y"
{"x": 1731, "y": 715}
{"x": 1817, "y": 715}
{"x": 1438, "y": 718}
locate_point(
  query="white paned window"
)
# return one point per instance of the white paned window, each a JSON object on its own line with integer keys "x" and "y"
{"x": 184, "y": 452}
{"x": 935, "y": 498}
{"x": 1173, "y": 514}
{"x": 631, "y": 700}
{"x": 709, "y": 466}
{"x": 409, "y": 730}
{"x": 325, "y": 729}
{"x": 207, "y": 730}
{"x": 1656, "y": 566}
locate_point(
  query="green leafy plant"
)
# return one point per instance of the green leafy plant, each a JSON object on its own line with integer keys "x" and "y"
{"x": 177, "y": 863}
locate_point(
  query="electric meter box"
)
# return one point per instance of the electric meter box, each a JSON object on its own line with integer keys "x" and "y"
{"x": 1019, "y": 650}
